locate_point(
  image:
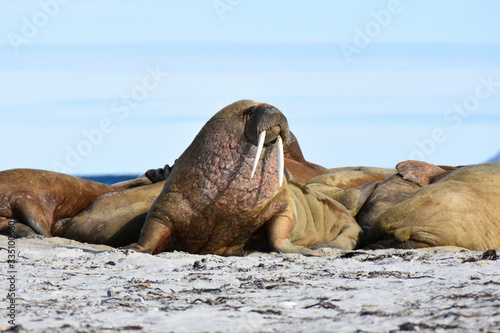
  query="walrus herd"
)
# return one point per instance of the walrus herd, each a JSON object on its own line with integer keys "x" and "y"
{"x": 244, "y": 185}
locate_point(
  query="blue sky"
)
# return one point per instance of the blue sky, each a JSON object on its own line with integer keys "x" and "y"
{"x": 121, "y": 87}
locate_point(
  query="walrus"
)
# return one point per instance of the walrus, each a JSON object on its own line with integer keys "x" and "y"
{"x": 33, "y": 200}
{"x": 229, "y": 184}
{"x": 113, "y": 218}
{"x": 385, "y": 195}
{"x": 458, "y": 207}
{"x": 116, "y": 218}
{"x": 409, "y": 178}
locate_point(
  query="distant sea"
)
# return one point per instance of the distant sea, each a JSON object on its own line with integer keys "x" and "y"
{"x": 495, "y": 159}
{"x": 109, "y": 179}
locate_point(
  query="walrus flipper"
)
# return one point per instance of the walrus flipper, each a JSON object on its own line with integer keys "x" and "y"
{"x": 20, "y": 229}
{"x": 354, "y": 198}
{"x": 158, "y": 175}
{"x": 27, "y": 212}
{"x": 280, "y": 229}
{"x": 155, "y": 237}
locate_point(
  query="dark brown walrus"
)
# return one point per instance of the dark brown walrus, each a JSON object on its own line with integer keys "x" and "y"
{"x": 32, "y": 200}
{"x": 230, "y": 182}
{"x": 458, "y": 208}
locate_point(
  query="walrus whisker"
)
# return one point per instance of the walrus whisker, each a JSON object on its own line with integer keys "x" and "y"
{"x": 260, "y": 145}
{"x": 281, "y": 159}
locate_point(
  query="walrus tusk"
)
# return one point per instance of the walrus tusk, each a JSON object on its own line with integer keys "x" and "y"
{"x": 281, "y": 156}
{"x": 260, "y": 145}
{"x": 281, "y": 159}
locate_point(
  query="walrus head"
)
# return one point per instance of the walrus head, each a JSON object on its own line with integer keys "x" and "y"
{"x": 239, "y": 134}
{"x": 225, "y": 186}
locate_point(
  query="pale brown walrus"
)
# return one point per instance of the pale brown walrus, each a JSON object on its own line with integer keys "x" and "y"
{"x": 410, "y": 177}
{"x": 458, "y": 208}
{"x": 114, "y": 218}
{"x": 229, "y": 183}
{"x": 32, "y": 200}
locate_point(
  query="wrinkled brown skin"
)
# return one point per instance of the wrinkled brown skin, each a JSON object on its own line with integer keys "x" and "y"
{"x": 35, "y": 199}
{"x": 211, "y": 205}
{"x": 298, "y": 169}
{"x": 316, "y": 221}
{"x": 320, "y": 220}
{"x": 460, "y": 209}
{"x": 114, "y": 219}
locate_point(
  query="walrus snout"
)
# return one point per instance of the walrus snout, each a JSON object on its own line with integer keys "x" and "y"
{"x": 267, "y": 125}
{"x": 265, "y": 117}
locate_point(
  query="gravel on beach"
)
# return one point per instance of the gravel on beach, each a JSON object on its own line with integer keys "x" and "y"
{"x": 66, "y": 286}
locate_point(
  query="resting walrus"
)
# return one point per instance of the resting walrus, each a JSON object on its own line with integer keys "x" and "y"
{"x": 114, "y": 219}
{"x": 230, "y": 182}
{"x": 458, "y": 208}
{"x": 33, "y": 200}
{"x": 411, "y": 176}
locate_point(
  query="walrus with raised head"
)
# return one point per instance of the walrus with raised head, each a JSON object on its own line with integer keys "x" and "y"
{"x": 450, "y": 207}
{"x": 32, "y": 200}
{"x": 229, "y": 184}
{"x": 116, "y": 218}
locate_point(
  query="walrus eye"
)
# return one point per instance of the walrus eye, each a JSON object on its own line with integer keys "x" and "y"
{"x": 249, "y": 112}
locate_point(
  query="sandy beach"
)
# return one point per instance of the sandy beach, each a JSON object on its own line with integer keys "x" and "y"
{"x": 66, "y": 286}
